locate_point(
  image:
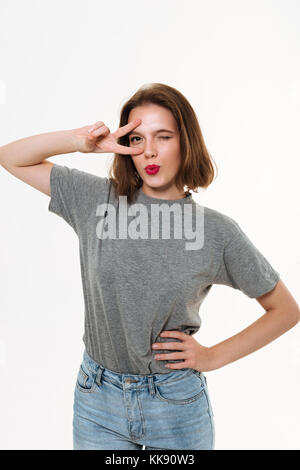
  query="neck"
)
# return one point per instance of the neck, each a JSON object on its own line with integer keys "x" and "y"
{"x": 171, "y": 193}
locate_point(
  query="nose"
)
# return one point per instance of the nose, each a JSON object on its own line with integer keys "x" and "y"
{"x": 149, "y": 149}
{"x": 149, "y": 153}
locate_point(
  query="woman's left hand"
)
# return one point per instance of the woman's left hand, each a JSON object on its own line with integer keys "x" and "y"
{"x": 192, "y": 353}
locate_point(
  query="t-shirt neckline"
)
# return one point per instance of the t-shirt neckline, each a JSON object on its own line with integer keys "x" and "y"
{"x": 144, "y": 198}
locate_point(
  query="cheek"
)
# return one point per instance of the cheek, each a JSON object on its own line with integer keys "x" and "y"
{"x": 136, "y": 162}
{"x": 174, "y": 157}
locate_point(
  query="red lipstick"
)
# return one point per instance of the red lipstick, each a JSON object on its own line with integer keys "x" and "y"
{"x": 152, "y": 169}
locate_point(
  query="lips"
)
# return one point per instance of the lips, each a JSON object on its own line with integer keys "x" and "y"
{"x": 152, "y": 169}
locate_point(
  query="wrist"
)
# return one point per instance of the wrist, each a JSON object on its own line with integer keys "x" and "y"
{"x": 72, "y": 140}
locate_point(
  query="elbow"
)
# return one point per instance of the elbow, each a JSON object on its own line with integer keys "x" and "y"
{"x": 295, "y": 315}
{"x": 289, "y": 317}
{"x": 298, "y": 314}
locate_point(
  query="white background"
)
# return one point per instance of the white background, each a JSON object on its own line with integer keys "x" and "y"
{"x": 66, "y": 64}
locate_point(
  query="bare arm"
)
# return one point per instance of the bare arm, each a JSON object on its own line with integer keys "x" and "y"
{"x": 34, "y": 149}
{"x": 282, "y": 314}
{"x": 25, "y": 157}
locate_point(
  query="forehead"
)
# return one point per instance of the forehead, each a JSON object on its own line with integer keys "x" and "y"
{"x": 153, "y": 117}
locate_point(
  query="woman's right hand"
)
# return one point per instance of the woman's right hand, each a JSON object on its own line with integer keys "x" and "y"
{"x": 98, "y": 139}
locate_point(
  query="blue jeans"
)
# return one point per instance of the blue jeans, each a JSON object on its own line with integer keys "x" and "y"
{"x": 127, "y": 412}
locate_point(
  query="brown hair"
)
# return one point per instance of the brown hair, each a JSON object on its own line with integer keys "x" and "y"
{"x": 196, "y": 168}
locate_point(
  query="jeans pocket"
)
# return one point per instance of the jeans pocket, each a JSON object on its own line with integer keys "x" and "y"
{"x": 180, "y": 391}
{"x": 86, "y": 379}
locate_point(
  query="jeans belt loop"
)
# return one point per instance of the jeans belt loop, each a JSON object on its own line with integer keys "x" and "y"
{"x": 151, "y": 385}
{"x": 99, "y": 376}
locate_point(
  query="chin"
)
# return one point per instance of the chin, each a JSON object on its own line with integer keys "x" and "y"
{"x": 154, "y": 182}
{"x": 162, "y": 185}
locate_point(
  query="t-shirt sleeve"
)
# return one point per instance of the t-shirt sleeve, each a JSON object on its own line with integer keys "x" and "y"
{"x": 245, "y": 268}
{"x": 74, "y": 194}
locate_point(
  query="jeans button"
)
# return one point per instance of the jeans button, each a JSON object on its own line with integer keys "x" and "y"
{"x": 130, "y": 381}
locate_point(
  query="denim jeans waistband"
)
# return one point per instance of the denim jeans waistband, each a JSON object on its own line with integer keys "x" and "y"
{"x": 125, "y": 380}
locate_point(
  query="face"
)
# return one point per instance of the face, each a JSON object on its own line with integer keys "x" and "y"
{"x": 160, "y": 147}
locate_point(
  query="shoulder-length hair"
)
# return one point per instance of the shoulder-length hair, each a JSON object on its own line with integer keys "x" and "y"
{"x": 196, "y": 169}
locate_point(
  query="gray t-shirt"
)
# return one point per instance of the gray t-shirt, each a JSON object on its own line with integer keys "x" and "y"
{"x": 135, "y": 287}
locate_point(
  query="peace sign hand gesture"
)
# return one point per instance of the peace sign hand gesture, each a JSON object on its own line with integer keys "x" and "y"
{"x": 98, "y": 139}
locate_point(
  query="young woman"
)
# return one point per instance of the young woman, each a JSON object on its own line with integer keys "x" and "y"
{"x": 141, "y": 381}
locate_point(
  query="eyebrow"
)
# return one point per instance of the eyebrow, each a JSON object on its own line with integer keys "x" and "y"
{"x": 155, "y": 132}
